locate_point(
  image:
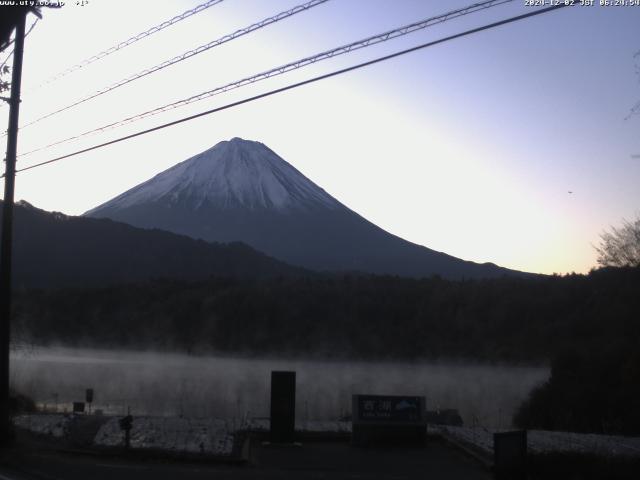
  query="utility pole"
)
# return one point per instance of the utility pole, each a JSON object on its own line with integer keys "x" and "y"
{"x": 7, "y": 232}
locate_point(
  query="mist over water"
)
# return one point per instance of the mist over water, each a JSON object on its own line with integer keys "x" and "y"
{"x": 225, "y": 387}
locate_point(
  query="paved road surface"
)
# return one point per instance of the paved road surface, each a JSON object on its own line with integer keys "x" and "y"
{"x": 335, "y": 460}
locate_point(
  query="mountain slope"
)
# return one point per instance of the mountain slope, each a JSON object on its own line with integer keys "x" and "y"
{"x": 241, "y": 190}
{"x": 55, "y": 250}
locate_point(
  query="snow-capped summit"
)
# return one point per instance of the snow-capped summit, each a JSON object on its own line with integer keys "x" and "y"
{"x": 241, "y": 190}
{"x": 233, "y": 174}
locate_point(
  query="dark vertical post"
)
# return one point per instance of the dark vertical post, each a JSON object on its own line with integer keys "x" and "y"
{"x": 88, "y": 397}
{"x": 7, "y": 231}
{"x": 283, "y": 406}
{"x": 126, "y": 424}
{"x": 510, "y": 455}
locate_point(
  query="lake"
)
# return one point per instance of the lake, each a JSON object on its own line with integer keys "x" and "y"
{"x": 154, "y": 383}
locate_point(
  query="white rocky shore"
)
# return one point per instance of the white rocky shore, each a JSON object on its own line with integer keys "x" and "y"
{"x": 541, "y": 442}
{"x": 212, "y": 436}
{"x": 209, "y": 436}
{"x": 53, "y": 425}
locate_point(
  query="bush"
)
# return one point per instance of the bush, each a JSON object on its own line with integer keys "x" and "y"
{"x": 19, "y": 403}
{"x": 596, "y": 390}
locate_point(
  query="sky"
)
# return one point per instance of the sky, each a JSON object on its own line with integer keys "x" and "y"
{"x": 470, "y": 147}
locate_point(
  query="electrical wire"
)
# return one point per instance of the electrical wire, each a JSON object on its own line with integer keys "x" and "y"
{"x": 366, "y": 42}
{"x": 188, "y": 54}
{"x": 130, "y": 41}
{"x": 635, "y": 110}
{"x": 8, "y": 44}
{"x": 4, "y": 62}
{"x": 6, "y": 101}
{"x": 302, "y": 83}
{"x": 25, "y": 36}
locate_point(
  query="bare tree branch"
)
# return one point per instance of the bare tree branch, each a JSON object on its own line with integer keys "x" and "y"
{"x": 620, "y": 247}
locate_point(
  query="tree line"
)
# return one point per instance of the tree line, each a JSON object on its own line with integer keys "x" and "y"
{"x": 507, "y": 319}
{"x": 587, "y": 327}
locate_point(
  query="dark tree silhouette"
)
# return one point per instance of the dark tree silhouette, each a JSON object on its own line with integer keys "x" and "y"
{"x": 5, "y": 85}
{"x": 620, "y": 247}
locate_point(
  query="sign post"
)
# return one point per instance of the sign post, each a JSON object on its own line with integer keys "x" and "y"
{"x": 126, "y": 424}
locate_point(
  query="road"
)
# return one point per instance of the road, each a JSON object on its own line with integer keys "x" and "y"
{"x": 318, "y": 460}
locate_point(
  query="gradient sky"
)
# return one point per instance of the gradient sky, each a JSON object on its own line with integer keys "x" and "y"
{"x": 469, "y": 147}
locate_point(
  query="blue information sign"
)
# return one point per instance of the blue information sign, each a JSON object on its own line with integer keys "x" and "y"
{"x": 388, "y": 408}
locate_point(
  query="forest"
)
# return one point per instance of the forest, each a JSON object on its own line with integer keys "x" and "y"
{"x": 587, "y": 327}
{"x": 348, "y": 316}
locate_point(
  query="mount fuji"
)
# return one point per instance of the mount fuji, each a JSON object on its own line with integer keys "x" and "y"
{"x": 240, "y": 190}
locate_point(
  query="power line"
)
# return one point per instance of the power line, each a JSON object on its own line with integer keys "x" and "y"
{"x": 635, "y": 110}
{"x": 4, "y": 62}
{"x": 8, "y": 44}
{"x": 132, "y": 40}
{"x": 366, "y": 42}
{"x": 188, "y": 54}
{"x": 25, "y": 36}
{"x": 302, "y": 83}
{"x": 7, "y": 101}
